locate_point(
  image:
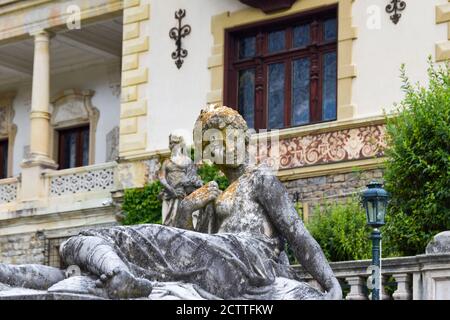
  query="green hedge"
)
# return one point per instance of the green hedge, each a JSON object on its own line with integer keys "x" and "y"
{"x": 142, "y": 205}
{"x": 418, "y": 168}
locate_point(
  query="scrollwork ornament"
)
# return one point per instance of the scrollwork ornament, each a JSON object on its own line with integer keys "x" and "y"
{"x": 177, "y": 34}
{"x": 394, "y": 7}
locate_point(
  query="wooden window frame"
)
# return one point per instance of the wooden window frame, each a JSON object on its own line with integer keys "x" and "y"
{"x": 62, "y": 154}
{"x": 262, "y": 59}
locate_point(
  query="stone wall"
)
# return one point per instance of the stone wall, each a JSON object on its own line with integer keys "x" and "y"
{"x": 23, "y": 248}
{"x": 334, "y": 187}
{"x": 36, "y": 247}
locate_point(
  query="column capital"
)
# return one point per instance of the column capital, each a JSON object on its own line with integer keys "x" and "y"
{"x": 41, "y": 34}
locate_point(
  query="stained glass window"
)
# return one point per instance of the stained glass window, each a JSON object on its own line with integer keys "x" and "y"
{"x": 277, "y": 41}
{"x": 247, "y": 95}
{"x": 284, "y": 72}
{"x": 300, "y": 91}
{"x": 275, "y": 95}
{"x": 329, "y": 87}
{"x": 330, "y": 30}
{"x": 247, "y": 47}
{"x": 302, "y": 36}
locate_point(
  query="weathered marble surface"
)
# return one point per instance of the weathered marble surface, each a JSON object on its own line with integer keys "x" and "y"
{"x": 284, "y": 289}
{"x": 439, "y": 244}
{"x": 179, "y": 178}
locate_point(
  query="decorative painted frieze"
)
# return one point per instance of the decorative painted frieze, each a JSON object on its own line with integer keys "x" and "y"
{"x": 331, "y": 147}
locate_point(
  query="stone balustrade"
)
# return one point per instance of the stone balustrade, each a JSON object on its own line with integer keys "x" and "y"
{"x": 421, "y": 277}
{"x": 92, "y": 178}
{"x": 8, "y": 190}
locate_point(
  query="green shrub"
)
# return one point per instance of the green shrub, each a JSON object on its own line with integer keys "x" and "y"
{"x": 209, "y": 172}
{"x": 141, "y": 205}
{"x": 341, "y": 230}
{"x": 418, "y": 168}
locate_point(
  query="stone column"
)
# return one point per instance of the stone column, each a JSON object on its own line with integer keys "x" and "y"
{"x": 40, "y": 101}
{"x": 33, "y": 187}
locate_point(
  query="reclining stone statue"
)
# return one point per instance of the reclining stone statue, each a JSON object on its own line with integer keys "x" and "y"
{"x": 241, "y": 260}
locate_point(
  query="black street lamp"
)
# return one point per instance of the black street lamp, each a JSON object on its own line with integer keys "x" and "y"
{"x": 375, "y": 200}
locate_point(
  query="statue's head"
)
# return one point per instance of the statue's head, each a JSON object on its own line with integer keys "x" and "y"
{"x": 222, "y": 134}
{"x": 176, "y": 139}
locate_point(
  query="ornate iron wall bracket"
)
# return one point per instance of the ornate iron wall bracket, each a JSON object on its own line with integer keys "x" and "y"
{"x": 177, "y": 34}
{"x": 394, "y": 7}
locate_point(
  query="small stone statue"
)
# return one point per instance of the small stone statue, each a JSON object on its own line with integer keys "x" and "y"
{"x": 178, "y": 175}
{"x": 240, "y": 261}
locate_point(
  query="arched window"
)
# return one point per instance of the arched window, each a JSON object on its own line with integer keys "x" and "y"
{"x": 74, "y": 120}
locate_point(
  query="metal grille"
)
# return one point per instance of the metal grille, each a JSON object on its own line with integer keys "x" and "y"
{"x": 52, "y": 252}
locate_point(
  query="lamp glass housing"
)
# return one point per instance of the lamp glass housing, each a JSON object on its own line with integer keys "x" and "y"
{"x": 375, "y": 200}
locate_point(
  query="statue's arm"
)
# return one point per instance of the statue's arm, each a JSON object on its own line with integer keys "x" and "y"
{"x": 273, "y": 196}
{"x": 197, "y": 200}
{"x": 193, "y": 177}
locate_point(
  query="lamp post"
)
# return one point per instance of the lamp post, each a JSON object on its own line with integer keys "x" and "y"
{"x": 375, "y": 200}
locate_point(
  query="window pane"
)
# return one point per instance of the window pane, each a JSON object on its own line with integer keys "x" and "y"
{"x": 330, "y": 30}
{"x": 276, "y": 96}
{"x": 246, "y": 96}
{"x": 302, "y": 36}
{"x": 4, "y": 159}
{"x": 85, "y": 146}
{"x": 247, "y": 47}
{"x": 68, "y": 149}
{"x": 300, "y": 91}
{"x": 277, "y": 41}
{"x": 329, "y": 87}
{"x": 72, "y": 148}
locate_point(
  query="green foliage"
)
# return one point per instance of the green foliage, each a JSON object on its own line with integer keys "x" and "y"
{"x": 209, "y": 172}
{"x": 142, "y": 205}
{"x": 418, "y": 168}
{"x": 341, "y": 230}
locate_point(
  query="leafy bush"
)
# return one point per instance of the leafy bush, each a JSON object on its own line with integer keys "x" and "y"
{"x": 209, "y": 172}
{"x": 418, "y": 168}
{"x": 341, "y": 230}
{"x": 142, "y": 205}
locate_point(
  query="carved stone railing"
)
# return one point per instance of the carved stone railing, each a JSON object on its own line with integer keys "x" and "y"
{"x": 82, "y": 180}
{"x": 422, "y": 277}
{"x": 8, "y": 190}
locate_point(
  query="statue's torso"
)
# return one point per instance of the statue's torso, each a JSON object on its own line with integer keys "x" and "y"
{"x": 176, "y": 171}
{"x": 238, "y": 210}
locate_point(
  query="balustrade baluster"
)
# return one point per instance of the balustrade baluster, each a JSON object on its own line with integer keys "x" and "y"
{"x": 403, "y": 291}
{"x": 357, "y": 284}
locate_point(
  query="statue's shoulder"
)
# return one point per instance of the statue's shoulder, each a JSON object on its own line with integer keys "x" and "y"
{"x": 262, "y": 172}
